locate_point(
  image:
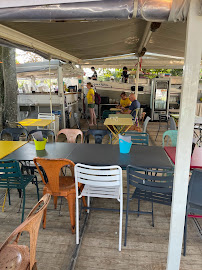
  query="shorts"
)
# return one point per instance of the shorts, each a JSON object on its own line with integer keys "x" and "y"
{"x": 91, "y": 105}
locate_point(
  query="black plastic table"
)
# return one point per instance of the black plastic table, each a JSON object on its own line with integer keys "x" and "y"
{"x": 96, "y": 154}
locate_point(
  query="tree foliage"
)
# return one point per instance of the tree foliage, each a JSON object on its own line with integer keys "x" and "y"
{"x": 27, "y": 57}
{"x": 105, "y": 74}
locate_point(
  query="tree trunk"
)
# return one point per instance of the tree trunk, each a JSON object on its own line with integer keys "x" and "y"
{"x": 1, "y": 90}
{"x": 10, "y": 85}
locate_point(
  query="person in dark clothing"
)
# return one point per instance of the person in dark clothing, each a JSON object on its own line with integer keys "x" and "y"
{"x": 134, "y": 105}
{"x": 125, "y": 74}
{"x": 94, "y": 77}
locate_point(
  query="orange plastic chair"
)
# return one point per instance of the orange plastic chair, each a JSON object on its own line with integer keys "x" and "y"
{"x": 19, "y": 257}
{"x": 71, "y": 134}
{"x": 59, "y": 185}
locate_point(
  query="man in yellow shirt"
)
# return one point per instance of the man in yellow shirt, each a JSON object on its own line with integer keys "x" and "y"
{"x": 125, "y": 101}
{"x": 91, "y": 104}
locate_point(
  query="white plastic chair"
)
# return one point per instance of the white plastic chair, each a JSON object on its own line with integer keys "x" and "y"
{"x": 48, "y": 116}
{"x": 172, "y": 124}
{"x": 144, "y": 127}
{"x": 100, "y": 182}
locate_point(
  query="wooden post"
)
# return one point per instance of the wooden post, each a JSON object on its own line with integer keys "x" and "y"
{"x": 193, "y": 52}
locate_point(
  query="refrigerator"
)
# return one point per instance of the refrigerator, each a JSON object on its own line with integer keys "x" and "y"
{"x": 160, "y": 93}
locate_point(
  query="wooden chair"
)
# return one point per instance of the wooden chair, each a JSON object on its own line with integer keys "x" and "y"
{"x": 20, "y": 257}
{"x": 71, "y": 135}
{"x": 57, "y": 185}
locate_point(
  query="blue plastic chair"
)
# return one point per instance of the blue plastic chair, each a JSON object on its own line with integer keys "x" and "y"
{"x": 172, "y": 135}
{"x": 11, "y": 177}
{"x": 140, "y": 138}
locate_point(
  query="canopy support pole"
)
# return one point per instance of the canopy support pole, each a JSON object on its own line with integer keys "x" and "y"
{"x": 193, "y": 50}
{"x": 51, "y": 104}
{"x": 61, "y": 93}
{"x": 137, "y": 78}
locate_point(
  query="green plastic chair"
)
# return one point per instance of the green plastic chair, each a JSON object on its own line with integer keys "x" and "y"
{"x": 11, "y": 177}
{"x": 172, "y": 135}
{"x": 106, "y": 113}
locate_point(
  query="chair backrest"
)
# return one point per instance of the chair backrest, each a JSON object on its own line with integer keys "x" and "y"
{"x": 98, "y": 134}
{"x": 9, "y": 169}
{"x": 45, "y": 132}
{"x": 163, "y": 118}
{"x": 144, "y": 128}
{"x": 159, "y": 181}
{"x": 15, "y": 133}
{"x": 99, "y": 178}
{"x": 9, "y": 124}
{"x": 172, "y": 135}
{"x": 195, "y": 190}
{"x": 31, "y": 225}
{"x": 140, "y": 138}
{"x": 71, "y": 134}
{"x": 172, "y": 124}
{"x": 77, "y": 117}
{"x": 46, "y": 116}
{"x": 52, "y": 168}
{"x": 136, "y": 114}
{"x": 106, "y": 113}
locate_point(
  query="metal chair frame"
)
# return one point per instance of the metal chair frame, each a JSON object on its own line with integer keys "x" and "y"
{"x": 31, "y": 225}
{"x": 162, "y": 118}
{"x": 98, "y": 134}
{"x": 15, "y": 133}
{"x": 194, "y": 201}
{"x": 139, "y": 138}
{"x": 11, "y": 177}
{"x": 150, "y": 185}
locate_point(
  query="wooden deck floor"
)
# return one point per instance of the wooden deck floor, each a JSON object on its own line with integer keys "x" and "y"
{"x": 146, "y": 246}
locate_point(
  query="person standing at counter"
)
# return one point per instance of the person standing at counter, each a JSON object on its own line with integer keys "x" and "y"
{"x": 134, "y": 105}
{"x": 91, "y": 104}
{"x": 94, "y": 77}
{"x": 125, "y": 75}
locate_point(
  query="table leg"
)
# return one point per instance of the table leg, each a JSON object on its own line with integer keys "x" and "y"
{"x": 121, "y": 130}
{"x": 114, "y": 134}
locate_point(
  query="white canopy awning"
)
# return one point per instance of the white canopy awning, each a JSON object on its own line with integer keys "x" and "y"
{"x": 95, "y": 39}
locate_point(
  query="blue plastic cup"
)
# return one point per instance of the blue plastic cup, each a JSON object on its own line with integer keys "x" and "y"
{"x": 124, "y": 146}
